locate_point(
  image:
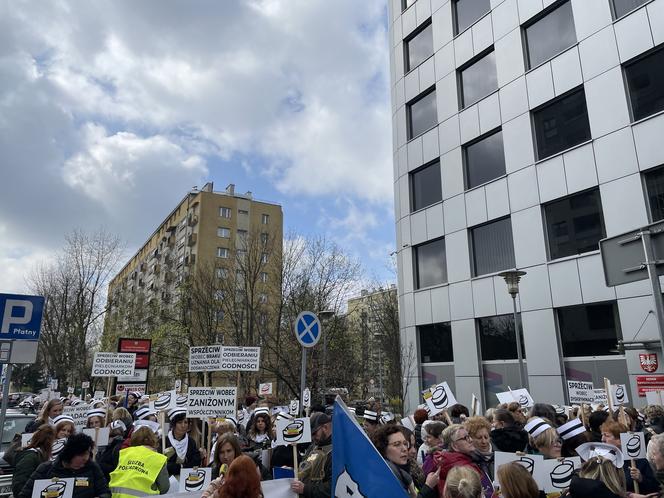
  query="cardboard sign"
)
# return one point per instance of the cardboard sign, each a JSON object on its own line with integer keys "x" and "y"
{"x": 99, "y": 394}
{"x": 293, "y": 431}
{"x": 113, "y": 364}
{"x": 85, "y": 385}
{"x": 633, "y": 445}
{"x": 619, "y": 393}
{"x": 211, "y": 402}
{"x": 204, "y": 358}
{"x": 80, "y": 415}
{"x": 475, "y": 406}
{"x": 70, "y": 390}
{"x": 527, "y": 461}
{"x": 600, "y": 397}
{"x": 655, "y": 397}
{"x": 99, "y": 436}
{"x": 195, "y": 480}
{"x": 121, "y": 388}
{"x": 408, "y": 422}
{"x": 278, "y": 488}
{"x": 57, "y": 487}
{"x": 580, "y": 392}
{"x": 265, "y": 389}
{"x": 236, "y": 358}
{"x": 554, "y": 475}
{"x": 294, "y": 407}
{"x": 164, "y": 401}
{"x": 521, "y": 396}
{"x": 439, "y": 397}
{"x": 306, "y": 398}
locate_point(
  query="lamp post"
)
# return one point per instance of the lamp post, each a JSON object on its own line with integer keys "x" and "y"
{"x": 512, "y": 278}
{"x": 324, "y": 318}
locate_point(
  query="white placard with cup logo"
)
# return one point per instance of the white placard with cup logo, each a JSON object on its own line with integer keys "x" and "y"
{"x": 265, "y": 389}
{"x": 439, "y": 397}
{"x": 113, "y": 364}
{"x": 521, "y": 396}
{"x": 164, "y": 401}
{"x": 54, "y": 488}
{"x": 554, "y": 475}
{"x": 79, "y": 413}
{"x": 306, "y": 398}
{"x": 619, "y": 393}
{"x": 211, "y": 402}
{"x": 99, "y": 436}
{"x": 527, "y": 461}
{"x": 294, "y": 431}
{"x": 633, "y": 445}
{"x": 195, "y": 480}
{"x": 294, "y": 407}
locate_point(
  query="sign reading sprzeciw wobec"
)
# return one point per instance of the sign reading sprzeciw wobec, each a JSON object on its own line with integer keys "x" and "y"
{"x": 205, "y": 358}
{"x": 113, "y": 364}
{"x": 211, "y": 402}
{"x": 580, "y": 392}
{"x": 240, "y": 358}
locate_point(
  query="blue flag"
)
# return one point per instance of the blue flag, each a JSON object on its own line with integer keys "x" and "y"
{"x": 358, "y": 470}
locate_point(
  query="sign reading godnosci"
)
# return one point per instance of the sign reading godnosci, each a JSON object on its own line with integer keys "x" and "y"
{"x": 205, "y": 358}
{"x": 240, "y": 358}
{"x": 211, "y": 402}
{"x": 113, "y": 364}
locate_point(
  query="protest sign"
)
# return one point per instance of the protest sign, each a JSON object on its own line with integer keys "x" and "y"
{"x": 293, "y": 431}
{"x": 294, "y": 407}
{"x": 99, "y": 394}
{"x": 265, "y": 389}
{"x": 580, "y": 392}
{"x": 195, "y": 480}
{"x": 521, "y": 396}
{"x": 554, "y": 475}
{"x": 99, "y": 436}
{"x": 164, "y": 401}
{"x": 600, "y": 397}
{"x": 278, "y": 488}
{"x": 121, "y": 388}
{"x": 113, "y": 364}
{"x": 211, "y": 402}
{"x": 475, "y": 407}
{"x": 58, "y": 487}
{"x": 205, "y": 358}
{"x": 236, "y": 358}
{"x": 85, "y": 385}
{"x": 619, "y": 393}
{"x": 70, "y": 390}
{"x": 306, "y": 398}
{"x": 527, "y": 461}
{"x": 80, "y": 415}
{"x": 633, "y": 445}
{"x": 439, "y": 397}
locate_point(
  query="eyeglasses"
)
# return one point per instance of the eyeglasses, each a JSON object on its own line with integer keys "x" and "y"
{"x": 465, "y": 438}
{"x": 399, "y": 444}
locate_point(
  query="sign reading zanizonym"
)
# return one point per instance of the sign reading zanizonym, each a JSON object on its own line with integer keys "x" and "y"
{"x": 113, "y": 365}
{"x": 240, "y": 358}
{"x": 205, "y": 358}
{"x": 211, "y": 402}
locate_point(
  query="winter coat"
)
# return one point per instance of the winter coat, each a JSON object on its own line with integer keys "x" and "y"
{"x": 91, "y": 480}
{"x": 108, "y": 459}
{"x": 26, "y": 463}
{"x": 648, "y": 484}
{"x": 191, "y": 459}
{"x": 589, "y": 488}
{"x": 509, "y": 439}
{"x": 446, "y": 460}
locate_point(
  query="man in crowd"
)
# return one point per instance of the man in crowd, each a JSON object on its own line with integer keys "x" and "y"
{"x": 315, "y": 472}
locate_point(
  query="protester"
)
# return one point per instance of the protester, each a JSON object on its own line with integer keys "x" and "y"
{"x": 573, "y": 434}
{"x": 655, "y": 455}
{"x": 145, "y": 413}
{"x": 260, "y": 428}
{"x": 141, "y": 470}
{"x": 315, "y": 471}
{"x": 543, "y": 410}
{"x": 432, "y": 432}
{"x": 598, "y": 478}
{"x": 414, "y": 469}
{"x": 595, "y": 421}
{"x": 64, "y": 426}
{"x": 181, "y": 450}
{"x": 242, "y": 480}
{"x": 131, "y": 401}
{"x": 516, "y": 482}
{"x": 507, "y": 435}
{"x": 371, "y": 421}
{"x": 226, "y": 450}
{"x": 391, "y": 443}
{"x": 543, "y": 438}
{"x": 108, "y": 459}
{"x": 49, "y": 411}
{"x": 478, "y": 428}
{"x": 37, "y": 452}
{"x": 462, "y": 482}
{"x": 420, "y": 416}
{"x": 96, "y": 418}
{"x": 458, "y": 413}
{"x": 219, "y": 428}
{"x": 75, "y": 461}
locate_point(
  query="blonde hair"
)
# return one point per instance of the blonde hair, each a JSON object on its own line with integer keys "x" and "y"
{"x": 602, "y": 469}
{"x": 545, "y": 439}
{"x": 462, "y": 482}
{"x": 516, "y": 482}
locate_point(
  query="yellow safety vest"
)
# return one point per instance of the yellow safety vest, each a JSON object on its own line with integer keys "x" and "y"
{"x": 137, "y": 470}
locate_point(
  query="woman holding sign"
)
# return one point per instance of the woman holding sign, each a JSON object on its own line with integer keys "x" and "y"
{"x": 181, "y": 450}
{"x": 49, "y": 411}
{"x": 27, "y": 460}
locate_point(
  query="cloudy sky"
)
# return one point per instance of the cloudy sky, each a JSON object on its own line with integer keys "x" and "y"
{"x": 111, "y": 110}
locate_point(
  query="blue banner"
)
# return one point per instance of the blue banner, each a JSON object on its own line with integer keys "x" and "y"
{"x": 358, "y": 470}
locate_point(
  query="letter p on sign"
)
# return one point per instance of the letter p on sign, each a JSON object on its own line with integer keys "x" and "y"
{"x": 8, "y": 317}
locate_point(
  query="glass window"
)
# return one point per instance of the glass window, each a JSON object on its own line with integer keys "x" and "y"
{"x": 655, "y": 191}
{"x": 243, "y": 212}
{"x": 497, "y": 340}
{"x": 422, "y": 114}
{"x": 430, "y": 265}
{"x": 493, "y": 248}
{"x": 622, "y": 7}
{"x": 225, "y": 212}
{"x": 435, "y": 343}
{"x": 265, "y": 219}
{"x": 263, "y": 277}
{"x": 484, "y": 159}
{"x": 264, "y": 258}
{"x": 222, "y": 252}
{"x": 419, "y": 47}
{"x": 425, "y": 186}
{"x": 589, "y": 329}
{"x": 407, "y": 3}
{"x": 466, "y": 12}
{"x": 645, "y": 80}
{"x": 574, "y": 224}
{"x": 223, "y": 232}
{"x": 478, "y": 79}
{"x": 264, "y": 238}
{"x": 561, "y": 124}
{"x": 550, "y": 35}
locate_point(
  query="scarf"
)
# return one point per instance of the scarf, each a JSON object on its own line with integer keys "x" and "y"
{"x": 180, "y": 446}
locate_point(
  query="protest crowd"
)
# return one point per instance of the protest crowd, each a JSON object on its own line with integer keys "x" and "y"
{"x": 137, "y": 445}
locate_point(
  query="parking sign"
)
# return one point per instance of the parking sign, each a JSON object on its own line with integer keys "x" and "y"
{"x": 20, "y": 317}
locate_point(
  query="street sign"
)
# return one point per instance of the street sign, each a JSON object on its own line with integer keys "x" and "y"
{"x": 20, "y": 316}
{"x": 307, "y": 329}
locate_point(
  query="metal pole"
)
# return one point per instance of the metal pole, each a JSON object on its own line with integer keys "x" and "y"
{"x": 5, "y": 395}
{"x": 654, "y": 282}
{"x": 523, "y": 382}
{"x": 380, "y": 372}
{"x": 303, "y": 375}
{"x": 324, "y": 380}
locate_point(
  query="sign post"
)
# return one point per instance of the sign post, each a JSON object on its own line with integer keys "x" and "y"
{"x": 307, "y": 331}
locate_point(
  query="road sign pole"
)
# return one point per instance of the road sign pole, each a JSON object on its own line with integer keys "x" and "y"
{"x": 5, "y": 396}
{"x": 654, "y": 283}
{"x": 303, "y": 375}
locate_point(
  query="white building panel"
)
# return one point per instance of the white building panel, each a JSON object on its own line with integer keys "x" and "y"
{"x": 598, "y": 53}
{"x": 415, "y": 158}
{"x": 484, "y": 300}
{"x": 566, "y": 69}
{"x": 539, "y": 336}
{"x": 461, "y": 300}
{"x": 430, "y": 150}
{"x": 623, "y": 205}
{"x": 633, "y": 35}
{"x": 505, "y": 18}
{"x": 590, "y": 16}
{"x": 464, "y": 341}
{"x": 528, "y": 8}
{"x": 523, "y": 189}
{"x": 446, "y": 97}
{"x": 435, "y": 223}
{"x": 452, "y": 170}
{"x": 534, "y": 289}
{"x": 497, "y": 199}
{"x": 540, "y": 85}
{"x": 656, "y": 17}
{"x": 551, "y": 179}
{"x": 580, "y": 168}
{"x": 648, "y": 138}
{"x": 442, "y": 26}
{"x": 476, "y": 206}
{"x": 454, "y": 210}
{"x": 565, "y": 284}
{"x": 513, "y": 99}
{"x": 469, "y": 124}
{"x": 518, "y": 143}
{"x": 423, "y": 314}
{"x": 463, "y": 47}
{"x": 482, "y": 34}
{"x": 489, "y": 109}
{"x": 591, "y": 275}
{"x": 529, "y": 245}
{"x": 427, "y": 74}
{"x": 615, "y": 155}
{"x": 444, "y": 61}
{"x": 418, "y": 227}
{"x": 412, "y": 80}
{"x": 509, "y": 57}
{"x": 458, "y": 257}
{"x": 440, "y": 304}
{"x": 605, "y": 88}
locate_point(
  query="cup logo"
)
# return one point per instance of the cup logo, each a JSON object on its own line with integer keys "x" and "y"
{"x": 194, "y": 480}
{"x": 293, "y": 407}
{"x": 57, "y": 447}
{"x": 294, "y": 431}
{"x": 527, "y": 463}
{"x": 264, "y": 388}
{"x": 523, "y": 400}
{"x": 54, "y": 490}
{"x": 181, "y": 400}
{"x": 634, "y": 446}
{"x": 305, "y": 397}
{"x": 439, "y": 397}
{"x": 163, "y": 401}
{"x": 561, "y": 475}
{"x": 620, "y": 394}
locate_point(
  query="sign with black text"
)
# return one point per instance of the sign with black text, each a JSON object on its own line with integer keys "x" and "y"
{"x": 204, "y": 358}
{"x": 113, "y": 364}
{"x": 211, "y": 402}
{"x": 236, "y": 358}
{"x": 580, "y": 392}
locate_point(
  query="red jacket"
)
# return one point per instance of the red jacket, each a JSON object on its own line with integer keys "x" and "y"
{"x": 448, "y": 459}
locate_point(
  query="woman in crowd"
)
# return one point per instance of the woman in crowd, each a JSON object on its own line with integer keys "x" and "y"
{"x": 145, "y": 413}
{"x": 64, "y": 426}
{"x": 49, "y": 411}
{"x": 507, "y": 435}
{"x": 27, "y": 460}
{"x": 516, "y": 482}
{"x": 543, "y": 438}
{"x": 598, "y": 478}
{"x": 73, "y": 462}
{"x": 431, "y": 432}
{"x": 226, "y": 450}
{"x": 643, "y": 473}
{"x": 108, "y": 459}
{"x": 96, "y": 418}
{"x": 260, "y": 428}
{"x": 478, "y": 428}
{"x": 655, "y": 455}
{"x": 140, "y": 468}
{"x": 242, "y": 480}
{"x": 131, "y": 403}
{"x": 573, "y": 434}
{"x": 181, "y": 450}
{"x": 420, "y": 416}
{"x": 462, "y": 482}
{"x": 414, "y": 468}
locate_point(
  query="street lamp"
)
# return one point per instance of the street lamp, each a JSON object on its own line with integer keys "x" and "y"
{"x": 324, "y": 316}
{"x": 512, "y": 278}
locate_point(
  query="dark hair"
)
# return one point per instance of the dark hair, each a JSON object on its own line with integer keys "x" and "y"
{"x": 381, "y": 437}
{"x": 596, "y": 420}
{"x": 420, "y": 415}
{"x": 268, "y": 425}
{"x": 505, "y": 416}
{"x": 77, "y": 444}
{"x": 227, "y": 438}
{"x": 435, "y": 429}
{"x": 569, "y": 446}
{"x": 176, "y": 419}
{"x": 242, "y": 480}
{"x": 43, "y": 439}
{"x": 458, "y": 410}
{"x": 407, "y": 433}
{"x": 543, "y": 410}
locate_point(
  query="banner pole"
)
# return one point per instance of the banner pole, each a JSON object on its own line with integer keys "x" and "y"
{"x": 636, "y": 484}
{"x": 303, "y": 379}
{"x": 295, "y": 465}
{"x": 204, "y": 422}
{"x": 162, "y": 417}
{"x": 609, "y": 395}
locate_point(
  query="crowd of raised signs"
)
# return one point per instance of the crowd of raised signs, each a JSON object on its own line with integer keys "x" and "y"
{"x": 518, "y": 449}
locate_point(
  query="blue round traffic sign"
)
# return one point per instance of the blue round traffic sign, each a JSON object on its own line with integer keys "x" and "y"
{"x": 307, "y": 329}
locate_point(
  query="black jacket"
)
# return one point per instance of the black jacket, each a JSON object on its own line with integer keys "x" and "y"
{"x": 649, "y": 483}
{"x": 97, "y": 485}
{"x": 108, "y": 460}
{"x": 191, "y": 459}
{"x": 509, "y": 439}
{"x": 589, "y": 488}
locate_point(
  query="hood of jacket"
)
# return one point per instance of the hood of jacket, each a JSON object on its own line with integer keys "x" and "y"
{"x": 509, "y": 439}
